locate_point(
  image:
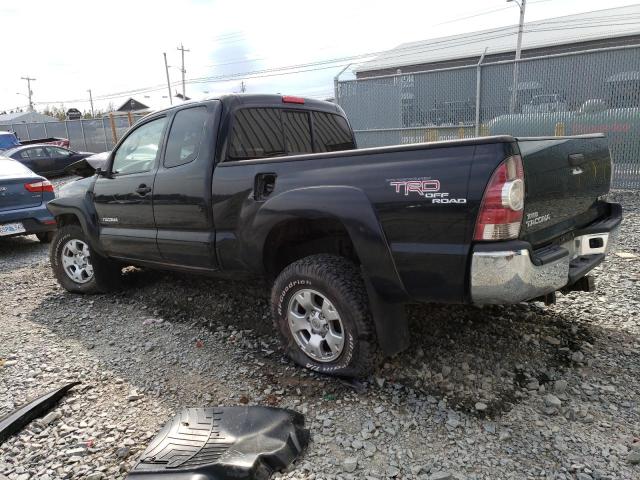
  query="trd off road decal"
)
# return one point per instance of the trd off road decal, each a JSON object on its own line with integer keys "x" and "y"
{"x": 426, "y": 187}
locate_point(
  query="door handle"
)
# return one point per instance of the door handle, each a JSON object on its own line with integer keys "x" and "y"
{"x": 143, "y": 189}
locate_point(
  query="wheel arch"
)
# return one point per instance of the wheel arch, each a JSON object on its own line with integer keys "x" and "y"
{"x": 350, "y": 219}
{"x": 76, "y": 214}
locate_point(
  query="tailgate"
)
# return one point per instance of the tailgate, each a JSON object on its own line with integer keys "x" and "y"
{"x": 564, "y": 176}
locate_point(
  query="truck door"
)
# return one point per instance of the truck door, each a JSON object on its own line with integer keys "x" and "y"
{"x": 182, "y": 191}
{"x": 123, "y": 200}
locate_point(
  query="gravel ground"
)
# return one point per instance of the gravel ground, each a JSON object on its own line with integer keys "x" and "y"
{"x": 525, "y": 391}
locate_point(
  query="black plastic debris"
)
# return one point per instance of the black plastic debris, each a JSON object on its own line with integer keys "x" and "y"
{"x": 223, "y": 443}
{"x": 18, "y": 419}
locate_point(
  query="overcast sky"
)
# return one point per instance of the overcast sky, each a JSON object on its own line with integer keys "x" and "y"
{"x": 116, "y": 46}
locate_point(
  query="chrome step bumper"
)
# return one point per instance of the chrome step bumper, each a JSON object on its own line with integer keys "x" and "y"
{"x": 512, "y": 276}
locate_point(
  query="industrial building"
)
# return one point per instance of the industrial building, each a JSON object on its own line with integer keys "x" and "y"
{"x": 585, "y": 31}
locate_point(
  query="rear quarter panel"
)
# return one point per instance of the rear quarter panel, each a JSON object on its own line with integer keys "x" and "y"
{"x": 407, "y": 187}
{"x": 431, "y": 240}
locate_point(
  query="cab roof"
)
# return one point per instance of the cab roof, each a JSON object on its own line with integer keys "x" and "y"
{"x": 266, "y": 100}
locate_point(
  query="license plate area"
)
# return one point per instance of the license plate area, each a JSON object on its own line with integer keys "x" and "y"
{"x": 11, "y": 229}
{"x": 593, "y": 244}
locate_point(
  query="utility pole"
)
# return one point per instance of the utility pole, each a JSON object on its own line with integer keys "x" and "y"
{"x": 29, "y": 92}
{"x": 182, "y": 49}
{"x": 166, "y": 68}
{"x": 514, "y": 89}
{"x": 335, "y": 83}
{"x": 91, "y": 102}
{"x": 242, "y": 87}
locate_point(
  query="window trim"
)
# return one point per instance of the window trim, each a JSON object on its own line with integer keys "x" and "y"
{"x": 112, "y": 156}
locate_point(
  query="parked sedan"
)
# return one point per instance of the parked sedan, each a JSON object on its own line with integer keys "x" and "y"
{"x": 45, "y": 159}
{"x": 23, "y": 199}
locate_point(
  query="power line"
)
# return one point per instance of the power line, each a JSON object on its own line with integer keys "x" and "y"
{"x": 392, "y": 55}
{"x": 285, "y": 70}
{"x": 276, "y": 71}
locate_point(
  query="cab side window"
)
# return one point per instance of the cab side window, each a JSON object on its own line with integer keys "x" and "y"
{"x": 139, "y": 150}
{"x": 185, "y": 136}
{"x": 256, "y": 133}
{"x": 331, "y": 133}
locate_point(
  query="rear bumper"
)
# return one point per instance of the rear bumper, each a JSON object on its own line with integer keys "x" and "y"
{"x": 35, "y": 220}
{"x": 511, "y": 272}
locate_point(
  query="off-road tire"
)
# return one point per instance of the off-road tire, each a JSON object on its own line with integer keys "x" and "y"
{"x": 45, "y": 237}
{"x": 106, "y": 273}
{"x": 339, "y": 280}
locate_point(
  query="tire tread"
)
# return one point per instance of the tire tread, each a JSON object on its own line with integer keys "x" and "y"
{"x": 346, "y": 278}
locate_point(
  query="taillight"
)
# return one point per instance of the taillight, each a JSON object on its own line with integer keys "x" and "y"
{"x": 43, "y": 186}
{"x": 290, "y": 99}
{"x": 503, "y": 203}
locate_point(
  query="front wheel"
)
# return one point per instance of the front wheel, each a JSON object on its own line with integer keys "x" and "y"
{"x": 321, "y": 310}
{"x": 77, "y": 267}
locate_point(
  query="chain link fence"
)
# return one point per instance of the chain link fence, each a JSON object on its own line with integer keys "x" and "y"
{"x": 88, "y": 135}
{"x": 595, "y": 91}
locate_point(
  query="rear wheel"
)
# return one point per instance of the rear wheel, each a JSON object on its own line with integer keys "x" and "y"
{"x": 321, "y": 310}
{"x": 77, "y": 267}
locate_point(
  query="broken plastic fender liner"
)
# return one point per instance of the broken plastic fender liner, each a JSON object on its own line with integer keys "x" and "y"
{"x": 223, "y": 443}
{"x": 18, "y": 419}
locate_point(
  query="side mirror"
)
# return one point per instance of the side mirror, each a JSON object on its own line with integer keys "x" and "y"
{"x": 101, "y": 172}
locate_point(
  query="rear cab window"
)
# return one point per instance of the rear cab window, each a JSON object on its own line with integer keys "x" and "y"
{"x": 331, "y": 133}
{"x": 297, "y": 132}
{"x": 271, "y": 132}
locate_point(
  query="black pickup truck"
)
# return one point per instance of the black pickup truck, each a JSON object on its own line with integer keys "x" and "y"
{"x": 274, "y": 186}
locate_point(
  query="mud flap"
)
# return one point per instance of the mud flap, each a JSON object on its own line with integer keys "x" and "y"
{"x": 221, "y": 443}
{"x": 390, "y": 318}
{"x": 18, "y": 419}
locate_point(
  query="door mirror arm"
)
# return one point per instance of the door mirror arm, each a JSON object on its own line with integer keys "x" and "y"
{"x": 103, "y": 173}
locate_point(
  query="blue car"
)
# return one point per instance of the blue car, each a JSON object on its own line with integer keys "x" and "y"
{"x": 23, "y": 202}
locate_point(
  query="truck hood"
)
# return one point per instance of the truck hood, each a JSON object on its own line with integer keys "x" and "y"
{"x": 88, "y": 166}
